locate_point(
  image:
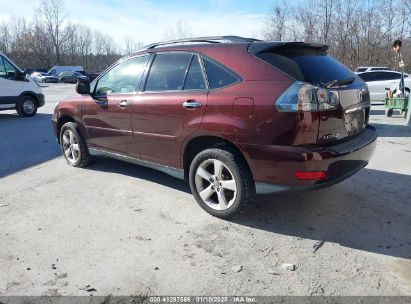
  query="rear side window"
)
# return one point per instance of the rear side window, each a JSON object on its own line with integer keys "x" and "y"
{"x": 218, "y": 76}
{"x": 167, "y": 72}
{"x": 307, "y": 64}
{"x": 195, "y": 77}
{"x": 388, "y": 76}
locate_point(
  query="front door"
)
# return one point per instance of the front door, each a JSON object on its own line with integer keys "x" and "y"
{"x": 10, "y": 88}
{"x": 171, "y": 107}
{"x": 107, "y": 113}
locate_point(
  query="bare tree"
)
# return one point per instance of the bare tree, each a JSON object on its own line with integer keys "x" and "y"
{"x": 131, "y": 45}
{"x": 276, "y": 22}
{"x": 180, "y": 30}
{"x": 53, "y": 14}
{"x": 359, "y": 32}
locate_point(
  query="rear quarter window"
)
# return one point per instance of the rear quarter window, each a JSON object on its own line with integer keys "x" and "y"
{"x": 219, "y": 76}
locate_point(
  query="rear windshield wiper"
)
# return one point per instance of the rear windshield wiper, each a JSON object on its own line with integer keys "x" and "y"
{"x": 339, "y": 82}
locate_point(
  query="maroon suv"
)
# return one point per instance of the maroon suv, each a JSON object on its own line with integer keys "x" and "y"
{"x": 233, "y": 116}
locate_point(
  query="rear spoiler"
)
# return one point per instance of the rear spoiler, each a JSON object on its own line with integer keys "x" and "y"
{"x": 265, "y": 46}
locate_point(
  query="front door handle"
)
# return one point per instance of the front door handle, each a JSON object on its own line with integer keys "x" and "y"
{"x": 124, "y": 104}
{"x": 191, "y": 104}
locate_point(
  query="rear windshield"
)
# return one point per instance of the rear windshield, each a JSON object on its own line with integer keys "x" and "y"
{"x": 307, "y": 64}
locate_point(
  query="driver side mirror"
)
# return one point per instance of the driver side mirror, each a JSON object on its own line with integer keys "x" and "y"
{"x": 19, "y": 76}
{"x": 83, "y": 87}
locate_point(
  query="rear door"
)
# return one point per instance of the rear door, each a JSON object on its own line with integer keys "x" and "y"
{"x": 107, "y": 112}
{"x": 170, "y": 107}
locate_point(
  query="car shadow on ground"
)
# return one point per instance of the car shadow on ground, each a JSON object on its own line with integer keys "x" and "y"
{"x": 120, "y": 167}
{"x": 25, "y": 142}
{"x": 388, "y": 130}
{"x": 371, "y": 212}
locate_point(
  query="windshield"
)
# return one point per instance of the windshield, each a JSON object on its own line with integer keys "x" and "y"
{"x": 307, "y": 64}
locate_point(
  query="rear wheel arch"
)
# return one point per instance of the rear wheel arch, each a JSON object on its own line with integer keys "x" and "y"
{"x": 201, "y": 143}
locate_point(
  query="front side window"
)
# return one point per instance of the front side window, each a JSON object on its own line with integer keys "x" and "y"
{"x": 123, "y": 78}
{"x": 167, "y": 72}
{"x": 218, "y": 76}
{"x": 7, "y": 70}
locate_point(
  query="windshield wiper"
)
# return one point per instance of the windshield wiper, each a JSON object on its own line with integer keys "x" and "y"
{"x": 339, "y": 82}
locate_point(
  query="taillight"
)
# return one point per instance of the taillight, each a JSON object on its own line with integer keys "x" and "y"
{"x": 304, "y": 97}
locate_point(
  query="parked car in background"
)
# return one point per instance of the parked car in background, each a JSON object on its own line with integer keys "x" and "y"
{"x": 370, "y": 69}
{"x": 18, "y": 91}
{"x": 378, "y": 81}
{"x": 44, "y": 77}
{"x": 31, "y": 71}
{"x": 72, "y": 77}
{"x": 233, "y": 116}
{"x": 93, "y": 76}
{"x": 57, "y": 70}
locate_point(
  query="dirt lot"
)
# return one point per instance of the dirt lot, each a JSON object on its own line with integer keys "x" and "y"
{"x": 121, "y": 229}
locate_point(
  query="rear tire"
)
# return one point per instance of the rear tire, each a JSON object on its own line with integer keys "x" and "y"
{"x": 73, "y": 146}
{"x": 27, "y": 106}
{"x": 221, "y": 182}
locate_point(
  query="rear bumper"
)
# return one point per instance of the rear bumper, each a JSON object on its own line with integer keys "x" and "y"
{"x": 274, "y": 167}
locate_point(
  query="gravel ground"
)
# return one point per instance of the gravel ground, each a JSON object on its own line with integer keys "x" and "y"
{"x": 121, "y": 229}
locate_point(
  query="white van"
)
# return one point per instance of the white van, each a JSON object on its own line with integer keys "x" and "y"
{"x": 57, "y": 70}
{"x": 18, "y": 91}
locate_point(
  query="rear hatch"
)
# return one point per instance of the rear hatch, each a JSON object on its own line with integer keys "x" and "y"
{"x": 348, "y": 110}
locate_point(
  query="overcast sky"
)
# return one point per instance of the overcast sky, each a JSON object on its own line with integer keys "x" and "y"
{"x": 148, "y": 20}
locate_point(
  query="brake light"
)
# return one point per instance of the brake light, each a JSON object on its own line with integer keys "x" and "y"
{"x": 304, "y": 97}
{"x": 311, "y": 175}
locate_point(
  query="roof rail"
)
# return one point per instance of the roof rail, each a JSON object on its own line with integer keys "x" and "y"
{"x": 212, "y": 39}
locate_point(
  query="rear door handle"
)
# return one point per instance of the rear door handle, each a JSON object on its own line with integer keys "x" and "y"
{"x": 124, "y": 104}
{"x": 191, "y": 104}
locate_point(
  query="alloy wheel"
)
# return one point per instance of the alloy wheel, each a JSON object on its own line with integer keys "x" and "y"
{"x": 71, "y": 146}
{"x": 215, "y": 184}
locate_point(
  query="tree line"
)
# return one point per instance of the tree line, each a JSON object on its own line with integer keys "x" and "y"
{"x": 359, "y": 32}
{"x": 48, "y": 39}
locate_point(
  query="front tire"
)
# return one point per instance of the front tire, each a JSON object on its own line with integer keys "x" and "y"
{"x": 73, "y": 146}
{"x": 27, "y": 106}
{"x": 221, "y": 182}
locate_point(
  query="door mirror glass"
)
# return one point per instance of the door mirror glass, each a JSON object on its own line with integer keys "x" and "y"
{"x": 83, "y": 87}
